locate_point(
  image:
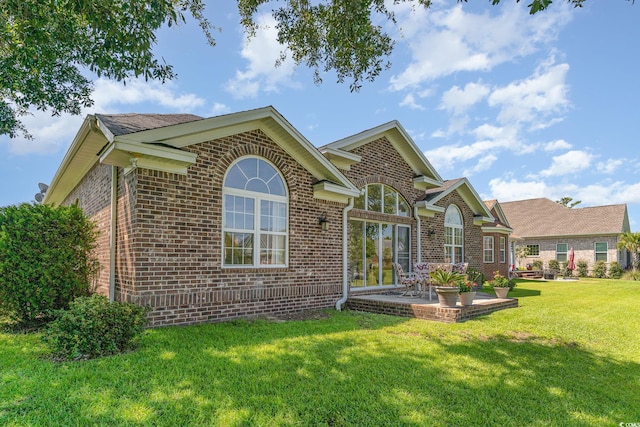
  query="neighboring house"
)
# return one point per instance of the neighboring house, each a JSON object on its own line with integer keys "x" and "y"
{"x": 240, "y": 215}
{"x": 550, "y": 230}
{"x": 497, "y": 247}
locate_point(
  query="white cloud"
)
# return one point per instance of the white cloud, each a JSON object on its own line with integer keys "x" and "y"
{"x": 568, "y": 163}
{"x": 409, "y": 101}
{"x": 610, "y": 166}
{"x": 53, "y": 133}
{"x": 559, "y": 144}
{"x": 458, "y": 100}
{"x": 450, "y": 39}
{"x": 261, "y": 53}
{"x": 534, "y": 99}
{"x": 513, "y": 189}
{"x": 483, "y": 164}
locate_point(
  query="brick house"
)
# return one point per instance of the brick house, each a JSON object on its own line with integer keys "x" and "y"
{"x": 497, "y": 244}
{"x": 550, "y": 230}
{"x": 240, "y": 215}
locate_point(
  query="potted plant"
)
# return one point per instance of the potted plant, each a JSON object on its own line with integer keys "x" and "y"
{"x": 447, "y": 286}
{"x": 501, "y": 285}
{"x": 467, "y": 291}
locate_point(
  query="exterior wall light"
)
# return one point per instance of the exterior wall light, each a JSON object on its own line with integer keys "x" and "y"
{"x": 323, "y": 221}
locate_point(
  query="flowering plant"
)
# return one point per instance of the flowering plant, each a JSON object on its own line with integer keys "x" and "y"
{"x": 467, "y": 285}
{"x": 499, "y": 281}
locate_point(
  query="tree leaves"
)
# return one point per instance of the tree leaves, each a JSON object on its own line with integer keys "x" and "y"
{"x": 45, "y": 46}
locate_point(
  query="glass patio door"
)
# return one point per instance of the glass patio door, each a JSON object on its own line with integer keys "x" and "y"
{"x": 373, "y": 248}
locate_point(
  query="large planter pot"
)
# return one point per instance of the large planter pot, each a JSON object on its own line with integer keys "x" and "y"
{"x": 447, "y": 295}
{"x": 466, "y": 298}
{"x": 501, "y": 292}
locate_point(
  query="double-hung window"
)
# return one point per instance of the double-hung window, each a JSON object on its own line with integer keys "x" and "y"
{"x": 453, "y": 235}
{"x": 255, "y": 215}
{"x": 562, "y": 249}
{"x": 488, "y": 249}
{"x": 601, "y": 249}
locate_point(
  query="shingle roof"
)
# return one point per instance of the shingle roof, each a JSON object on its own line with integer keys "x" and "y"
{"x": 544, "y": 217}
{"x": 432, "y": 193}
{"x": 122, "y": 124}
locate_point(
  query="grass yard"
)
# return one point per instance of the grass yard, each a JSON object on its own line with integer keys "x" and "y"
{"x": 569, "y": 355}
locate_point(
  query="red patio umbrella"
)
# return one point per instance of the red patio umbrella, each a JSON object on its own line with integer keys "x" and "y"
{"x": 571, "y": 265}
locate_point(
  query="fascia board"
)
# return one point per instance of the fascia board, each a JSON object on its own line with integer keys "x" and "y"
{"x": 428, "y": 209}
{"x": 340, "y": 158}
{"x": 131, "y": 154}
{"x": 401, "y": 141}
{"x": 71, "y": 169}
{"x": 500, "y": 230}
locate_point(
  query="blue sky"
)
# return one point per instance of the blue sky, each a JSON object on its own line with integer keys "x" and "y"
{"x": 524, "y": 106}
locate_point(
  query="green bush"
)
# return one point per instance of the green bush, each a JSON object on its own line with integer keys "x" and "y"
{"x": 537, "y": 264}
{"x": 92, "y": 327}
{"x": 600, "y": 269}
{"x": 615, "y": 270}
{"x": 582, "y": 268}
{"x": 46, "y": 260}
{"x": 554, "y": 265}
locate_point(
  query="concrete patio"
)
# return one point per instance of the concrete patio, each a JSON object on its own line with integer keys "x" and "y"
{"x": 395, "y": 304}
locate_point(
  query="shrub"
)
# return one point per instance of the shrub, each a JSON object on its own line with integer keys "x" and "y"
{"x": 46, "y": 259}
{"x": 554, "y": 265}
{"x": 615, "y": 270}
{"x": 537, "y": 264}
{"x": 92, "y": 327}
{"x": 600, "y": 269}
{"x": 582, "y": 268}
{"x": 499, "y": 281}
{"x": 632, "y": 275}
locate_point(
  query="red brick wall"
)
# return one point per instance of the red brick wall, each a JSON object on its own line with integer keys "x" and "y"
{"x": 177, "y": 242}
{"x": 381, "y": 163}
{"x": 93, "y": 196}
{"x": 490, "y": 268}
{"x": 433, "y": 245}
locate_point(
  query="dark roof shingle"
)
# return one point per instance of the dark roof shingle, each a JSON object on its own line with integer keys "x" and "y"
{"x": 123, "y": 124}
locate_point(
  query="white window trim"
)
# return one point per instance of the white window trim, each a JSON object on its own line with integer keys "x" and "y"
{"x": 257, "y": 197}
{"x": 485, "y": 250}
{"x": 454, "y": 226}
{"x": 595, "y": 252}
{"x": 559, "y": 252}
{"x": 503, "y": 250}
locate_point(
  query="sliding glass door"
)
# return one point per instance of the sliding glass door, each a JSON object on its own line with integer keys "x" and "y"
{"x": 373, "y": 248}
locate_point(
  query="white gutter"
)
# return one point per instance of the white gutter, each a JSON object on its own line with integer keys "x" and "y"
{"x": 112, "y": 233}
{"x": 345, "y": 258}
{"x": 418, "y": 230}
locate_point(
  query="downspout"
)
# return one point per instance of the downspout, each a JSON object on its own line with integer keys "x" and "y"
{"x": 112, "y": 233}
{"x": 345, "y": 257}
{"x": 418, "y": 234}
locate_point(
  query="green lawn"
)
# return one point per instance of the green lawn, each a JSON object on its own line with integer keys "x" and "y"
{"x": 569, "y": 355}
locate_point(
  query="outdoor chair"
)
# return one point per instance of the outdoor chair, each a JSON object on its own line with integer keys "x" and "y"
{"x": 408, "y": 279}
{"x": 422, "y": 271}
{"x": 444, "y": 266}
{"x": 461, "y": 267}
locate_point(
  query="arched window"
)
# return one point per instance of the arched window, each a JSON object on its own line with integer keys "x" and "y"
{"x": 453, "y": 235}
{"x": 382, "y": 198}
{"x": 254, "y": 215}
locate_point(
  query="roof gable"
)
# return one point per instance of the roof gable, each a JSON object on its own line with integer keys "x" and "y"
{"x": 425, "y": 175}
{"x": 159, "y": 145}
{"x": 543, "y": 218}
{"x": 428, "y": 206}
